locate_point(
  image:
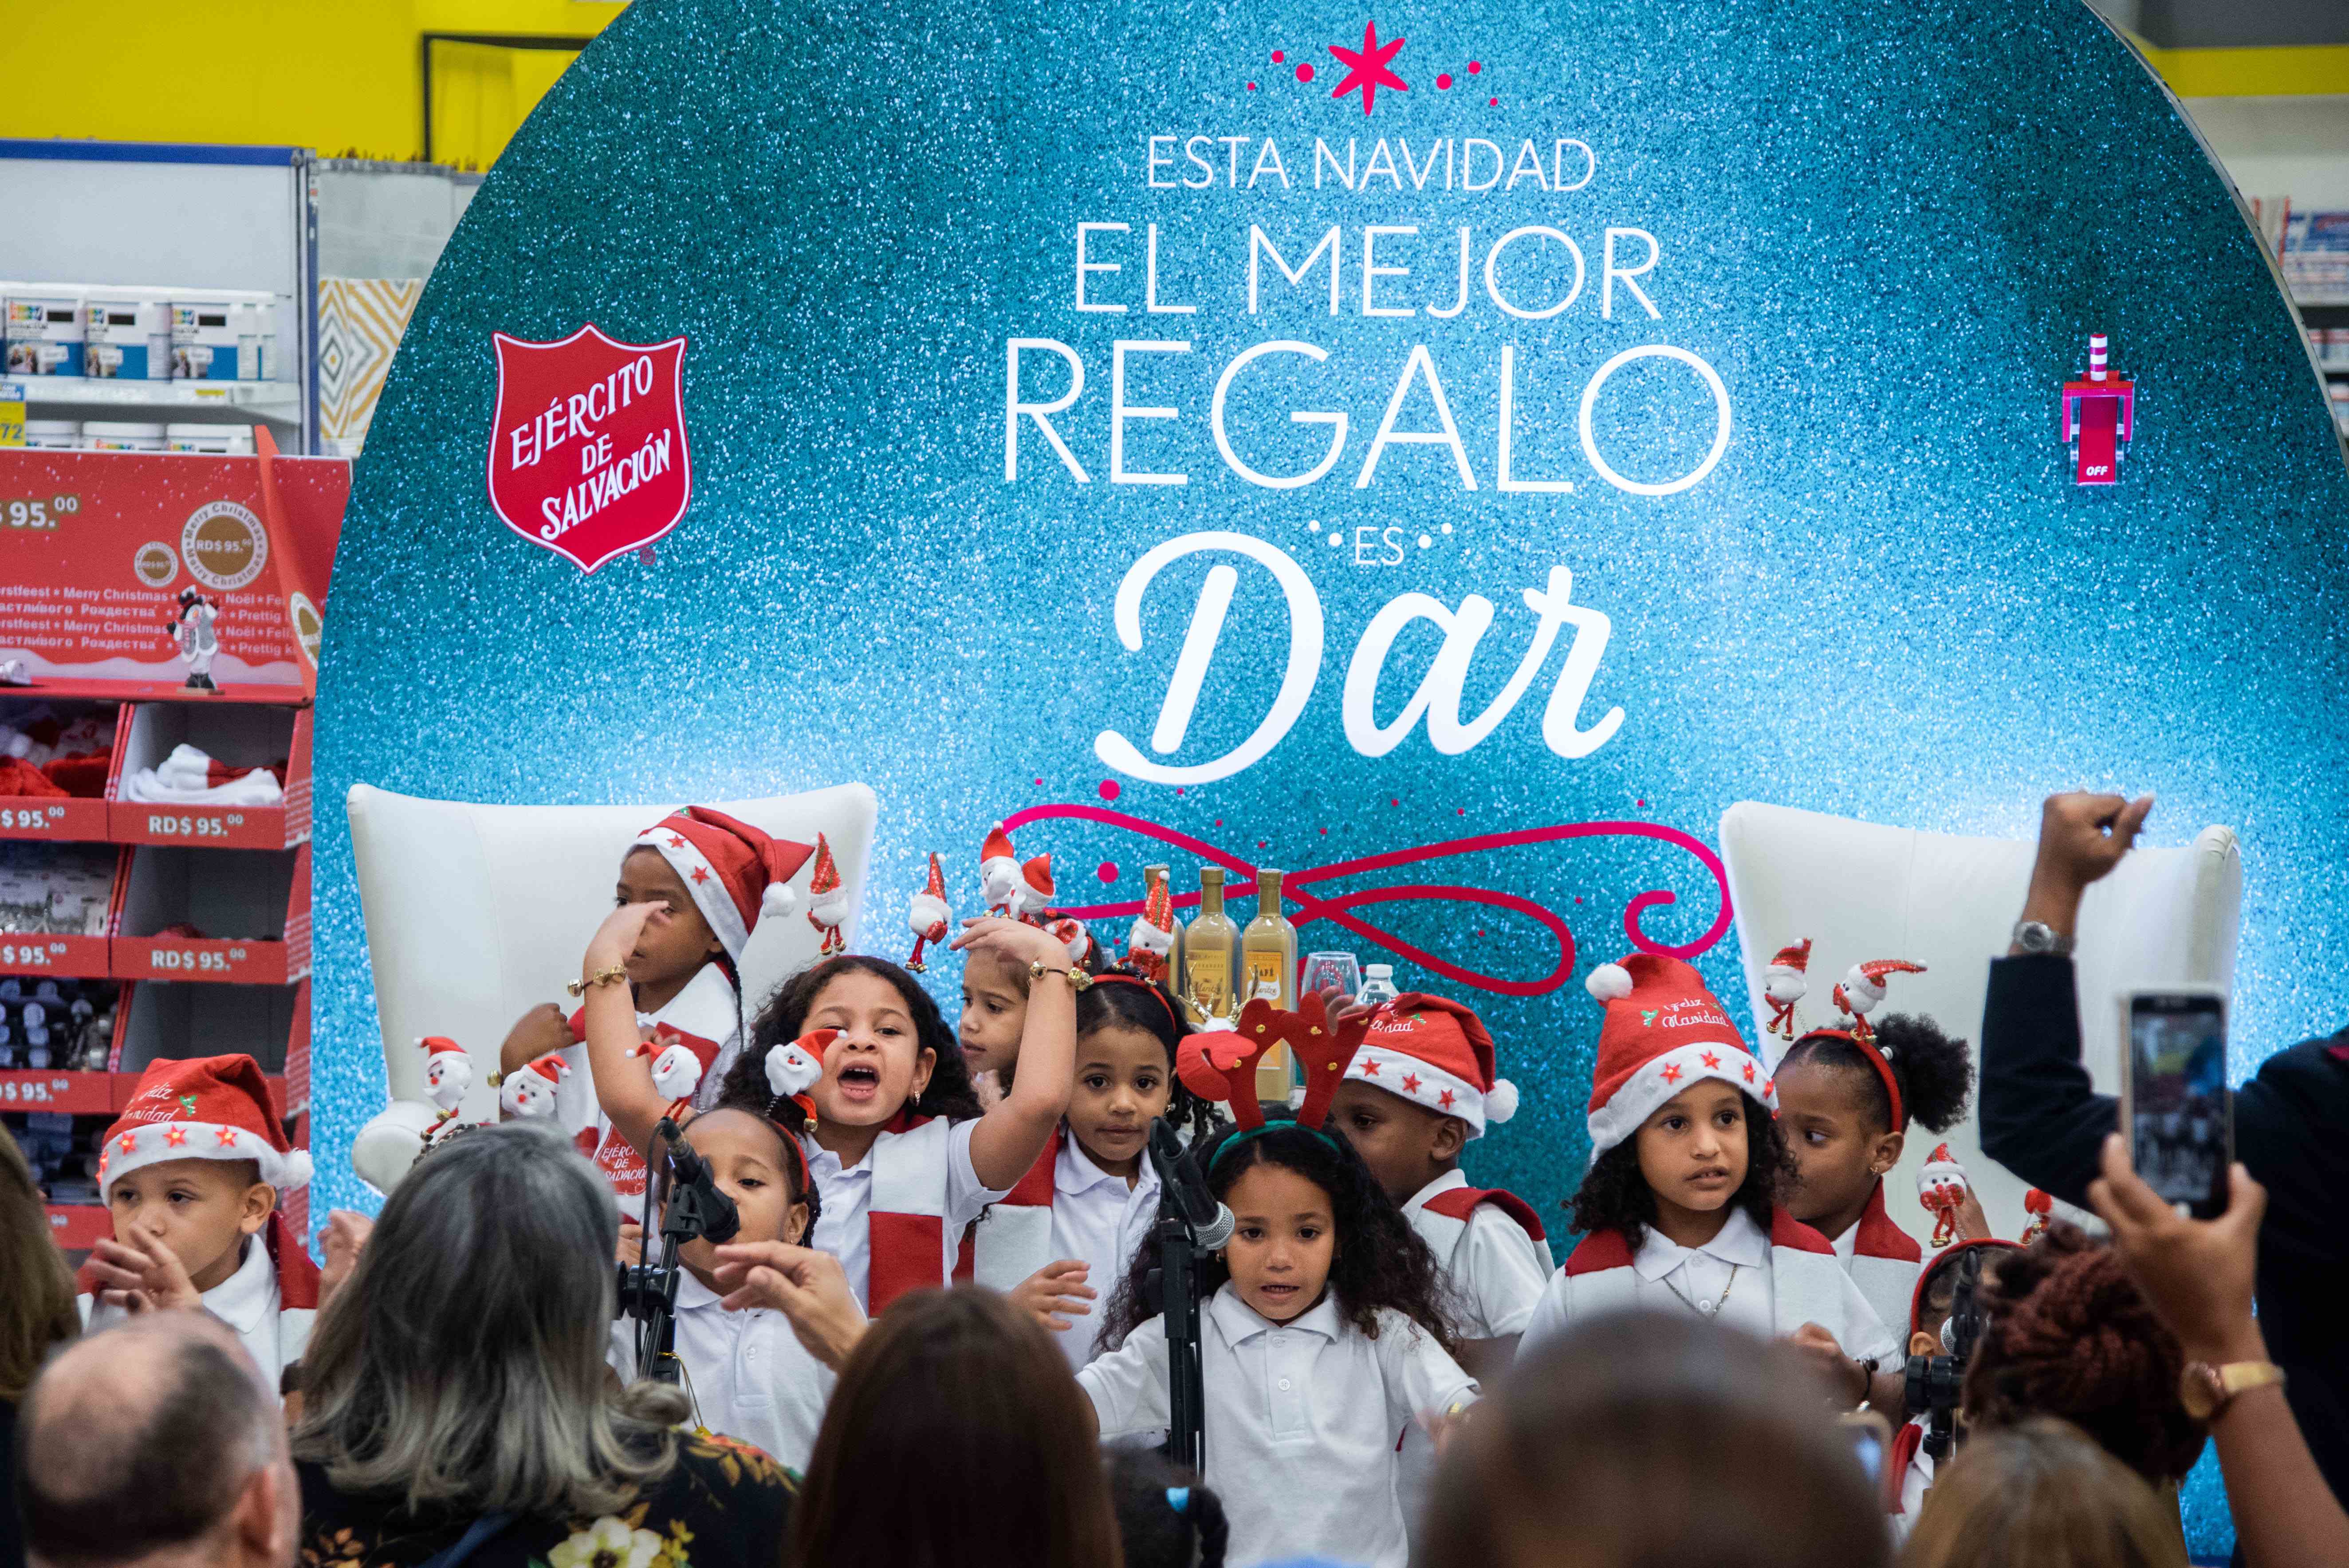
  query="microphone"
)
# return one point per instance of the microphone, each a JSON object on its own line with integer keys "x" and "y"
{"x": 720, "y": 1219}
{"x": 1210, "y": 1222}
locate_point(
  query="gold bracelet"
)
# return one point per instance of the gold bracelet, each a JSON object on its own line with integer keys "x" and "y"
{"x": 615, "y": 974}
{"x": 1078, "y": 979}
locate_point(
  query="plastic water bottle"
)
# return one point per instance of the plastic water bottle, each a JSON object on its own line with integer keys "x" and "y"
{"x": 1379, "y": 989}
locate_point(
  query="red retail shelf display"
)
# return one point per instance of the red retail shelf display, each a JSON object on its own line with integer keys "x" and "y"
{"x": 28, "y": 817}
{"x": 241, "y": 738}
{"x": 77, "y": 1227}
{"x": 76, "y": 1094}
{"x": 258, "y": 904}
{"x": 271, "y": 1024}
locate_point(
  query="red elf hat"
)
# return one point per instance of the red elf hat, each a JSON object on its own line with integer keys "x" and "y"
{"x": 1663, "y": 1031}
{"x": 1438, "y": 1054}
{"x": 736, "y": 873}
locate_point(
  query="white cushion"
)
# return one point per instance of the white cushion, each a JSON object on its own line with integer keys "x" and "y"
{"x": 477, "y": 913}
{"x": 1861, "y": 890}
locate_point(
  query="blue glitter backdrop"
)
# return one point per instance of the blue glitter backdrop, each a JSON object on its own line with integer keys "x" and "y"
{"x": 1888, "y": 234}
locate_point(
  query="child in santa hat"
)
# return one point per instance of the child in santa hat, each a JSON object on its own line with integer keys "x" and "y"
{"x": 191, "y": 1173}
{"x": 750, "y": 1377}
{"x": 1679, "y": 1209}
{"x": 705, "y": 881}
{"x": 1097, "y": 1184}
{"x": 903, "y": 1156}
{"x": 1847, "y": 1096}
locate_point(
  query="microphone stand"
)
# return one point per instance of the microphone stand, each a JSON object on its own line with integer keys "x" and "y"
{"x": 1177, "y": 1278}
{"x": 648, "y": 1293}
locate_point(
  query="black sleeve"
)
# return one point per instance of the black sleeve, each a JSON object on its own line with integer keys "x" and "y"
{"x": 2041, "y": 1116}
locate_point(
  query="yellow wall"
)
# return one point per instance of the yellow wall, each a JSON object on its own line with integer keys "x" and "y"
{"x": 339, "y": 76}
{"x": 2252, "y": 73}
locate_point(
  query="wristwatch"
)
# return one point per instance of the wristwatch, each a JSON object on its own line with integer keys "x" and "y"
{"x": 2038, "y": 936}
{"x": 2205, "y": 1390}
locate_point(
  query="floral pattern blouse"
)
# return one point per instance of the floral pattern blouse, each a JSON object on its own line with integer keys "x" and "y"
{"x": 723, "y": 1504}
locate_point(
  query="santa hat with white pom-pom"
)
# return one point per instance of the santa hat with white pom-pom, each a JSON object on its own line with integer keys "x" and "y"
{"x": 215, "y": 1107}
{"x": 1437, "y": 1054}
{"x": 1663, "y": 1031}
{"x": 737, "y": 873}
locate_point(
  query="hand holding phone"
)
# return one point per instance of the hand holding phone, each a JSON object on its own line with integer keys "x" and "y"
{"x": 2178, "y": 1115}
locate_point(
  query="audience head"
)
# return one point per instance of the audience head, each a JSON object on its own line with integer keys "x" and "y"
{"x": 1635, "y": 1437}
{"x": 1166, "y": 1518}
{"x": 889, "y": 1028}
{"x": 37, "y": 1309}
{"x": 957, "y": 1434}
{"x": 157, "y": 1443}
{"x": 462, "y": 1364}
{"x": 2040, "y": 1494}
{"x": 2066, "y": 1332}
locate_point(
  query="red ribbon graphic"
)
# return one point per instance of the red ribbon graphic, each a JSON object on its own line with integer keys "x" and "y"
{"x": 1338, "y": 907}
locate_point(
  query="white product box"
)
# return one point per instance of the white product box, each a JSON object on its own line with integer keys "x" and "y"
{"x": 127, "y": 334}
{"x": 117, "y": 436}
{"x": 52, "y": 435}
{"x": 43, "y": 331}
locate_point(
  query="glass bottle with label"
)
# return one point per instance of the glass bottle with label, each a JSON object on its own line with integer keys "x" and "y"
{"x": 1268, "y": 955}
{"x": 1161, "y": 876}
{"x": 1211, "y": 951}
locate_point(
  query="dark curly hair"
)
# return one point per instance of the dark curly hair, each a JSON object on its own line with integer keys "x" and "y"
{"x": 790, "y": 1119}
{"x": 1123, "y": 998}
{"x": 2067, "y": 1334}
{"x": 784, "y": 1019}
{"x": 1379, "y": 1261}
{"x": 1614, "y": 1196}
{"x": 1936, "y": 1073}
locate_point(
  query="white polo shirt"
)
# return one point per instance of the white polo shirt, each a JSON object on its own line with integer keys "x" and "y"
{"x": 847, "y": 1198}
{"x": 1100, "y": 1222}
{"x": 1494, "y": 1268}
{"x": 750, "y": 1378}
{"x": 1302, "y": 1419}
{"x": 273, "y": 1334}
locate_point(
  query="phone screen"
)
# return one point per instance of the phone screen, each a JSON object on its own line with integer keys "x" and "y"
{"x": 1870, "y": 1436}
{"x": 2182, "y": 1121}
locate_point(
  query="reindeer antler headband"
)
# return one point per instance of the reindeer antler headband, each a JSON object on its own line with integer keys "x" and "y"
{"x": 1222, "y": 1065}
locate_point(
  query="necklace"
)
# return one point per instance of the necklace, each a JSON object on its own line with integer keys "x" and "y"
{"x": 1705, "y": 1308}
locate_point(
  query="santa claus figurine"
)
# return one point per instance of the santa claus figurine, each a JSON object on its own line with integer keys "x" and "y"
{"x": 1073, "y": 936}
{"x": 1150, "y": 945}
{"x": 928, "y": 915}
{"x": 676, "y": 1071}
{"x": 999, "y": 871}
{"x": 1034, "y": 895}
{"x": 448, "y": 1072}
{"x": 1783, "y": 983}
{"x": 1863, "y": 990}
{"x": 192, "y": 631}
{"x": 827, "y": 900}
{"x": 529, "y": 1093}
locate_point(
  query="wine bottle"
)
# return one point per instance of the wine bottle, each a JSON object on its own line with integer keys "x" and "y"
{"x": 1161, "y": 876}
{"x": 1268, "y": 953}
{"x": 1211, "y": 945}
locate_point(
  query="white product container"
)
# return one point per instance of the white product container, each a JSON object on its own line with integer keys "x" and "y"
{"x": 52, "y": 435}
{"x": 223, "y": 338}
{"x": 43, "y": 330}
{"x": 127, "y": 334}
{"x": 117, "y": 436}
{"x": 212, "y": 440}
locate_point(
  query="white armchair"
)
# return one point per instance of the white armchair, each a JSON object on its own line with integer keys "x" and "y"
{"x": 477, "y": 913}
{"x": 1861, "y": 890}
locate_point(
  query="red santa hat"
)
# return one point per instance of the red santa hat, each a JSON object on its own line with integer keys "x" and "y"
{"x": 1794, "y": 958}
{"x": 1151, "y": 939}
{"x": 1663, "y": 1031}
{"x": 825, "y": 880}
{"x": 1037, "y": 874}
{"x": 1438, "y": 1054}
{"x": 736, "y": 873}
{"x": 928, "y": 914}
{"x": 435, "y": 1046}
{"x": 204, "y": 1108}
{"x": 998, "y": 846}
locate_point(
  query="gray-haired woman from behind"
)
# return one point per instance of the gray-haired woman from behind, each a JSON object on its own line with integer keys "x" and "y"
{"x": 455, "y": 1388}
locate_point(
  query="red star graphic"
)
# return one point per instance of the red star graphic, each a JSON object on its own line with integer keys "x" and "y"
{"x": 675, "y": 842}
{"x": 1711, "y": 1058}
{"x": 1369, "y": 1069}
{"x": 175, "y": 1137}
{"x": 1766, "y": 1083}
{"x": 226, "y": 1137}
{"x": 1367, "y": 67}
{"x": 1672, "y": 1072}
{"x": 701, "y": 873}
{"x": 1749, "y": 1072}
{"x": 1447, "y": 1099}
{"x": 127, "y": 1142}
{"x": 1411, "y": 1083}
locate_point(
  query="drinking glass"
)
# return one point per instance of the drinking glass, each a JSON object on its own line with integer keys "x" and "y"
{"x": 1326, "y": 970}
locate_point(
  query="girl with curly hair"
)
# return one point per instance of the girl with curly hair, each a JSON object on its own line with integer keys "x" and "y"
{"x": 1324, "y": 1336}
{"x": 1846, "y": 1097}
{"x": 1679, "y": 1212}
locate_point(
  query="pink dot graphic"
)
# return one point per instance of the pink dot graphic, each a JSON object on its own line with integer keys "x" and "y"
{"x": 1109, "y": 789}
{"x": 1475, "y": 66}
{"x": 1251, "y": 87}
{"x": 1305, "y": 71}
{"x": 1106, "y": 871}
{"x": 1278, "y": 56}
{"x": 1492, "y": 103}
{"x": 1444, "y": 79}
{"x": 1040, "y": 782}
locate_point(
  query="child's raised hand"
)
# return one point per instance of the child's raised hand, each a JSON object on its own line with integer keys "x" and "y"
{"x": 806, "y": 1287}
{"x": 345, "y": 1237}
{"x": 142, "y": 1275}
{"x": 542, "y": 1031}
{"x": 615, "y": 939}
{"x": 631, "y": 1250}
{"x": 1056, "y": 1294}
{"x": 1839, "y": 1371}
{"x": 1016, "y": 940}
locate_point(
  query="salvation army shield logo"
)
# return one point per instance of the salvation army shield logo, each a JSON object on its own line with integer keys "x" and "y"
{"x": 587, "y": 454}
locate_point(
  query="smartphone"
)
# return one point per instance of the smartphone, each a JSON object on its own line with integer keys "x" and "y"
{"x": 2176, "y": 1111}
{"x": 1870, "y": 1435}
